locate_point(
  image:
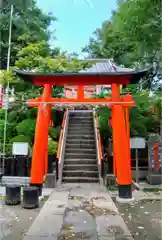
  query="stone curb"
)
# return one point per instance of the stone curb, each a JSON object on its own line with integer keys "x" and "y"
{"x": 52, "y": 212}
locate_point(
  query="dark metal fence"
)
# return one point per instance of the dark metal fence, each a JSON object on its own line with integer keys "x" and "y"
{"x": 21, "y": 165}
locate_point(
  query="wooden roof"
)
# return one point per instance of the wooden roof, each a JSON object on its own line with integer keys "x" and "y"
{"x": 83, "y": 77}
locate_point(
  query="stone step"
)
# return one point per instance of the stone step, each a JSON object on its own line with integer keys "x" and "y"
{"x": 81, "y": 132}
{"x": 80, "y": 136}
{"x": 80, "y": 166}
{"x": 80, "y": 124}
{"x": 80, "y": 151}
{"x": 80, "y": 127}
{"x": 74, "y": 161}
{"x": 80, "y": 173}
{"x": 79, "y": 114}
{"x": 80, "y": 161}
{"x": 75, "y": 145}
{"x": 81, "y": 121}
{"x": 80, "y": 141}
{"x": 81, "y": 118}
{"x": 80, "y": 179}
{"x": 80, "y": 155}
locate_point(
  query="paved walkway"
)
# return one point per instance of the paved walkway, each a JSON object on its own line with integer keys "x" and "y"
{"x": 76, "y": 212}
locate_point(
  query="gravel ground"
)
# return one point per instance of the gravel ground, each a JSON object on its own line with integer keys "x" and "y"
{"x": 143, "y": 218}
{"x": 15, "y": 221}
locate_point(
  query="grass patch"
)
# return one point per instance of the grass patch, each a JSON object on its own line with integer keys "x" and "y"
{"x": 44, "y": 198}
{"x": 112, "y": 188}
{"x": 155, "y": 190}
{"x": 2, "y": 197}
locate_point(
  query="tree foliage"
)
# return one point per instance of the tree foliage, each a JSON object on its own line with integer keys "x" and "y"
{"x": 29, "y": 25}
{"x": 21, "y": 138}
{"x": 131, "y": 36}
{"x": 26, "y": 128}
{"x": 52, "y": 147}
{"x": 36, "y": 57}
{"x": 145, "y": 117}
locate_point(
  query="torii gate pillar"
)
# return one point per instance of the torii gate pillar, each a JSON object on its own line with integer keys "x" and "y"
{"x": 40, "y": 149}
{"x": 121, "y": 150}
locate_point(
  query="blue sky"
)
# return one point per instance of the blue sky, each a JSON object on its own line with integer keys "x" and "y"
{"x": 77, "y": 19}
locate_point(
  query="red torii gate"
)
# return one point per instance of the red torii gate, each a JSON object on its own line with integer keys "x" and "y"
{"x": 120, "y": 118}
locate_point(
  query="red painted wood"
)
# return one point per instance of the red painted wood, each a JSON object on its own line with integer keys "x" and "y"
{"x": 85, "y": 80}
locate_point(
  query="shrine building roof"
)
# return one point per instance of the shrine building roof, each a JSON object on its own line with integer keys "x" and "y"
{"x": 103, "y": 73}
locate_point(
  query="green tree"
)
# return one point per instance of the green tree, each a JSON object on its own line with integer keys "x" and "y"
{"x": 29, "y": 24}
{"x": 54, "y": 132}
{"x": 132, "y": 36}
{"x": 145, "y": 117}
{"x": 140, "y": 22}
{"x": 26, "y": 128}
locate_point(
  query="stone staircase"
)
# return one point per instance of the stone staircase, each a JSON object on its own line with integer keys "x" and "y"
{"x": 80, "y": 161}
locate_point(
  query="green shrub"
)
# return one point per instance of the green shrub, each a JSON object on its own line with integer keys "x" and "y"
{"x": 13, "y": 116}
{"x": 21, "y": 138}
{"x": 11, "y": 132}
{"x": 54, "y": 132}
{"x": 2, "y": 113}
{"x": 32, "y": 113}
{"x": 1, "y": 128}
{"x": 26, "y": 128}
{"x": 52, "y": 148}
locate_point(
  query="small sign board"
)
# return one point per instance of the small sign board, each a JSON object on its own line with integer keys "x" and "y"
{"x": 20, "y": 148}
{"x": 137, "y": 143}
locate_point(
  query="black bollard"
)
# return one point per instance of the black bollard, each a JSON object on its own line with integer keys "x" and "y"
{"x": 30, "y": 197}
{"x": 13, "y": 195}
{"x": 39, "y": 186}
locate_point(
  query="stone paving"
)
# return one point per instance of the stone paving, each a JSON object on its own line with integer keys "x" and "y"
{"x": 74, "y": 212}
{"x": 14, "y": 220}
{"x": 79, "y": 212}
{"x": 143, "y": 218}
